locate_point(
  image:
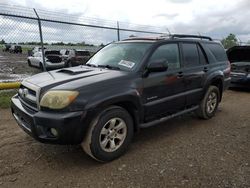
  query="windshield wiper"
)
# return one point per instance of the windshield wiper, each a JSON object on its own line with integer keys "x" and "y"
{"x": 109, "y": 67}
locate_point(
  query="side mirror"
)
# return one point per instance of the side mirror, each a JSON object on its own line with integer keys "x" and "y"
{"x": 157, "y": 66}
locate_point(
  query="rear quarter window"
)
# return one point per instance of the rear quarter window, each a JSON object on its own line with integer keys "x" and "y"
{"x": 217, "y": 51}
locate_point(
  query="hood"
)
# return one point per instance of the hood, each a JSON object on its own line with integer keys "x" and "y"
{"x": 239, "y": 54}
{"x": 68, "y": 76}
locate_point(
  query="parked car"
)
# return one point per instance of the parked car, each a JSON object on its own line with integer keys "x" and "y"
{"x": 15, "y": 49}
{"x": 6, "y": 48}
{"x": 65, "y": 54}
{"x": 77, "y": 57}
{"x": 127, "y": 85}
{"x": 239, "y": 56}
{"x": 53, "y": 59}
{"x": 34, "y": 50}
{"x": 37, "y": 49}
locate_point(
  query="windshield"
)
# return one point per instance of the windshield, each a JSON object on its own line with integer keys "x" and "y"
{"x": 125, "y": 56}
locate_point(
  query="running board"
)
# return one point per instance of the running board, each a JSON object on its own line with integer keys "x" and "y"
{"x": 152, "y": 123}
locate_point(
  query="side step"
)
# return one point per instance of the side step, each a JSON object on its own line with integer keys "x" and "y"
{"x": 152, "y": 123}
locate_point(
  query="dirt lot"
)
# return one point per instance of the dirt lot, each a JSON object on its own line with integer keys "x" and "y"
{"x": 14, "y": 67}
{"x": 183, "y": 152}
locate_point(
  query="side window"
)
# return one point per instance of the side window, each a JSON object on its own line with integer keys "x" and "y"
{"x": 190, "y": 54}
{"x": 37, "y": 54}
{"x": 203, "y": 59}
{"x": 168, "y": 52}
{"x": 218, "y": 51}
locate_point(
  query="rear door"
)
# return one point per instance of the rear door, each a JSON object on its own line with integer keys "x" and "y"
{"x": 195, "y": 69}
{"x": 35, "y": 59}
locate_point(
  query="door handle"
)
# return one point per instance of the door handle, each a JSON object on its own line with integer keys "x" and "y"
{"x": 205, "y": 69}
{"x": 180, "y": 74}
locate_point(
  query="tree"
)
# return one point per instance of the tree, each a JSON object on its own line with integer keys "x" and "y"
{"x": 2, "y": 41}
{"x": 230, "y": 41}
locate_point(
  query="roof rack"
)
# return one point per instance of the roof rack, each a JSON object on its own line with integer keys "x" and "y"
{"x": 191, "y": 36}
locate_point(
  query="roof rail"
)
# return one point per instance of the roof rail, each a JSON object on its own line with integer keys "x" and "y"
{"x": 191, "y": 36}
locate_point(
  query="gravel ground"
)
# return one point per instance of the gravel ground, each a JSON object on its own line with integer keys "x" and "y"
{"x": 183, "y": 152}
{"x": 14, "y": 67}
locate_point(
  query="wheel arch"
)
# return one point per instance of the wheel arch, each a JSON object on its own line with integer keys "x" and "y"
{"x": 130, "y": 103}
{"x": 218, "y": 82}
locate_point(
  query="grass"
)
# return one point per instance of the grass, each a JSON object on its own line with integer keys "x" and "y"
{"x": 5, "y": 97}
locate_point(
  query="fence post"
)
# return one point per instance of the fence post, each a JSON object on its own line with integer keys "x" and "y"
{"x": 118, "y": 31}
{"x": 41, "y": 39}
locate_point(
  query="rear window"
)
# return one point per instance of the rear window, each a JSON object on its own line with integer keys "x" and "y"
{"x": 82, "y": 53}
{"x": 217, "y": 51}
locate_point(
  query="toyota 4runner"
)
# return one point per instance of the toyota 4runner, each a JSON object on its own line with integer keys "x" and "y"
{"x": 125, "y": 86}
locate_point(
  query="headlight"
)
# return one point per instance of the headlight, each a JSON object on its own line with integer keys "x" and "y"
{"x": 58, "y": 99}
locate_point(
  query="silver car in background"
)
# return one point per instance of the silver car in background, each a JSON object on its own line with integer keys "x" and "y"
{"x": 53, "y": 59}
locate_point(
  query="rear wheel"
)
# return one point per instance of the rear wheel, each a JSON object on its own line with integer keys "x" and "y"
{"x": 209, "y": 104}
{"x": 109, "y": 134}
{"x": 29, "y": 63}
{"x": 41, "y": 66}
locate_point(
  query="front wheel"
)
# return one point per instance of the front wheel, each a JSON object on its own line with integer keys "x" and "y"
{"x": 69, "y": 64}
{"x": 209, "y": 104}
{"x": 109, "y": 134}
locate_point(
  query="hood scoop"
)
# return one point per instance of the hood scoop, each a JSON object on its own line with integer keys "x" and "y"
{"x": 71, "y": 71}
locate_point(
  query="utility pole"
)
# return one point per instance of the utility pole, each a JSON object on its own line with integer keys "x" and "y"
{"x": 41, "y": 39}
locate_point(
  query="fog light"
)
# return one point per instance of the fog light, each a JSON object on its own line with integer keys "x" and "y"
{"x": 54, "y": 132}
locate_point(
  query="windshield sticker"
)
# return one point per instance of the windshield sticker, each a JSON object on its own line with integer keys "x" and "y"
{"x": 127, "y": 64}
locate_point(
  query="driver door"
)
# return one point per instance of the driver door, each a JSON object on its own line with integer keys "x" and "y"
{"x": 162, "y": 94}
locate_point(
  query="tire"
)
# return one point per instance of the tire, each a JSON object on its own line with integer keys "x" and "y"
{"x": 41, "y": 66}
{"x": 69, "y": 64}
{"x": 115, "y": 141}
{"x": 209, "y": 104}
{"x": 29, "y": 63}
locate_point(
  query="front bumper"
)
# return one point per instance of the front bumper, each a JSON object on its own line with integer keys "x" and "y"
{"x": 70, "y": 126}
{"x": 54, "y": 65}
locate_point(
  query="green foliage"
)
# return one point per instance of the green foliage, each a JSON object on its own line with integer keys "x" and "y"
{"x": 230, "y": 41}
{"x": 2, "y": 42}
{"x": 5, "y": 97}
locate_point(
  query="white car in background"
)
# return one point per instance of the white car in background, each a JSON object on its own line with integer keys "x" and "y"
{"x": 53, "y": 60}
{"x": 37, "y": 49}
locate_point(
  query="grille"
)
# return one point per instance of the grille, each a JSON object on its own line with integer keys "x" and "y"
{"x": 28, "y": 97}
{"x": 54, "y": 59}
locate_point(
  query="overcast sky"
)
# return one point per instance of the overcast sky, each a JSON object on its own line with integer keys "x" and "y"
{"x": 216, "y": 18}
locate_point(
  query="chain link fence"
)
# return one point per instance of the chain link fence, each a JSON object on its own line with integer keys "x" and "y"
{"x": 23, "y": 32}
